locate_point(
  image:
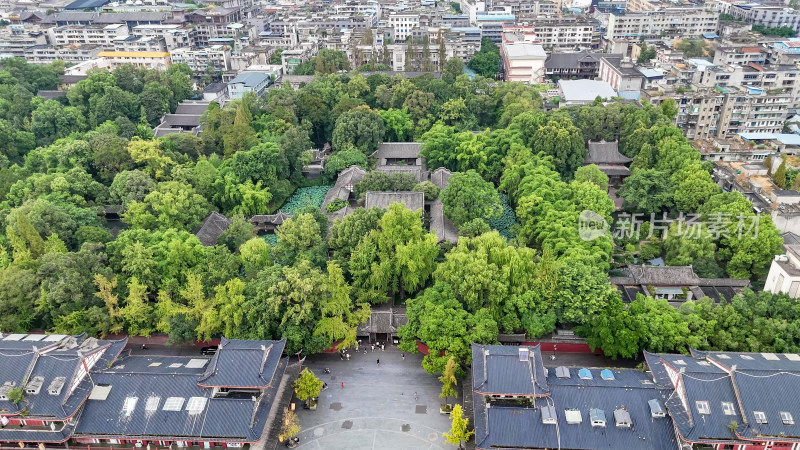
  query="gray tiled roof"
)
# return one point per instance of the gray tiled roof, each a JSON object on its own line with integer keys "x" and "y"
{"x": 441, "y": 177}
{"x": 499, "y": 425}
{"x": 398, "y": 150}
{"x": 243, "y": 364}
{"x": 212, "y": 228}
{"x": 417, "y": 172}
{"x": 443, "y": 227}
{"x": 605, "y": 153}
{"x": 58, "y": 356}
{"x": 758, "y": 382}
{"x": 497, "y": 370}
{"x": 153, "y": 379}
{"x": 413, "y": 200}
{"x": 182, "y": 120}
{"x": 194, "y": 108}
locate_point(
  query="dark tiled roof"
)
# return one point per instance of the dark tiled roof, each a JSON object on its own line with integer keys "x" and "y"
{"x": 275, "y": 219}
{"x": 152, "y": 380}
{"x": 84, "y": 4}
{"x": 182, "y": 120}
{"x": 51, "y": 95}
{"x": 212, "y": 228}
{"x": 748, "y": 381}
{"x": 243, "y": 364}
{"x": 195, "y": 108}
{"x": 497, "y": 370}
{"x": 398, "y": 150}
{"x": 416, "y": 171}
{"x": 161, "y": 132}
{"x": 443, "y": 227}
{"x": 441, "y": 177}
{"x": 618, "y": 171}
{"x": 413, "y": 200}
{"x": 504, "y": 425}
{"x": 560, "y": 60}
{"x": 48, "y": 358}
{"x": 605, "y": 153}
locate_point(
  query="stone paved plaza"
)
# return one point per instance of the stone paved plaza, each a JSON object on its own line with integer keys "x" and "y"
{"x": 376, "y": 408}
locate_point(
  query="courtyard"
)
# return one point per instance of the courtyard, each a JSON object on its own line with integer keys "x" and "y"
{"x": 376, "y": 408}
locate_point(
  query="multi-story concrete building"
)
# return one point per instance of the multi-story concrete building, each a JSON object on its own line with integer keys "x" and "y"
{"x": 45, "y": 54}
{"x": 770, "y": 16}
{"x": 524, "y": 62}
{"x": 148, "y": 60}
{"x": 102, "y": 35}
{"x": 294, "y": 57}
{"x": 720, "y": 112}
{"x": 210, "y": 59}
{"x": 562, "y": 32}
{"x": 785, "y": 52}
{"x": 670, "y": 22}
{"x": 403, "y": 25}
{"x": 140, "y": 44}
{"x": 256, "y": 82}
{"x": 175, "y": 35}
{"x": 492, "y": 25}
{"x": 535, "y": 8}
{"x": 784, "y": 273}
{"x": 578, "y": 65}
{"x": 15, "y": 45}
{"x": 622, "y": 77}
{"x": 217, "y": 22}
{"x": 725, "y": 55}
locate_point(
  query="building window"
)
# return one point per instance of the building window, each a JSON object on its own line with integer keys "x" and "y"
{"x": 702, "y": 407}
{"x": 786, "y": 418}
{"x": 728, "y": 409}
{"x": 760, "y": 416}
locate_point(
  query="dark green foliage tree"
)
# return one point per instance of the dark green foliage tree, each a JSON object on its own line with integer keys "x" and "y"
{"x": 343, "y": 159}
{"x": 469, "y": 197}
{"x": 360, "y": 127}
{"x": 779, "y": 177}
{"x": 487, "y": 61}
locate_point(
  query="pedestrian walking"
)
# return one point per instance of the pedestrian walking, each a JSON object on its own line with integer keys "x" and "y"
{"x": 379, "y": 362}
{"x": 341, "y": 356}
{"x": 342, "y": 384}
{"x": 381, "y": 347}
{"x": 365, "y": 350}
{"x": 415, "y": 395}
{"x": 373, "y": 347}
{"x": 403, "y": 355}
{"x": 348, "y": 356}
{"x": 356, "y": 346}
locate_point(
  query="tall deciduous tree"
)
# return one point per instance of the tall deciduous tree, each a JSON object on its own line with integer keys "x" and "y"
{"x": 137, "y": 312}
{"x": 469, "y": 197}
{"x": 340, "y": 318}
{"x": 458, "y": 429}
{"x": 360, "y": 127}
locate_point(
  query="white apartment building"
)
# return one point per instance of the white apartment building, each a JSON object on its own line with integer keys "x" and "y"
{"x": 523, "y": 62}
{"x": 784, "y": 273}
{"x": 102, "y": 35}
{"x": 768, "y": 16}
{"x": 148, "y": 60}
{"x": 45, "y": 54}
{"x": 140, "y": 44}
{"x": 403, "y": 25}
{"x": 175, "y": 36}
{"x": 216, "y": 58}
{"x": 560, "y": 32}
{"x": 670, "y": 22}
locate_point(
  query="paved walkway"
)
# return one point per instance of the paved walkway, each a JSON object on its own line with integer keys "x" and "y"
{"x": 376, "y": 408}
